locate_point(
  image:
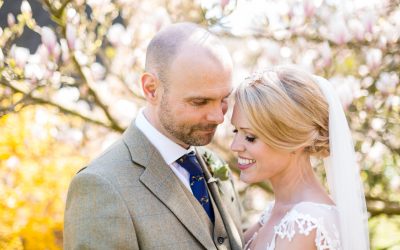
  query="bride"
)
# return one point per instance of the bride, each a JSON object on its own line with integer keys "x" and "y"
{"x": 282, "y": 118}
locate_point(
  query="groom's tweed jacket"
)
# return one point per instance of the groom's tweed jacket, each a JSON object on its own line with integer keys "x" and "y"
{"x": 129, "y": 198}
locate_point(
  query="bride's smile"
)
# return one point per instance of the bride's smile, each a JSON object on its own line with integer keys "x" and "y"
{"x": 245, "y": 163}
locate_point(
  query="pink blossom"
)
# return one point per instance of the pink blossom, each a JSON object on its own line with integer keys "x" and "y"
{"x": 224, "y": 3}
{"x": 369, "y": 21}
{"x": 309, "y": 8}
{"x": 71, "y": 36}
{"x": 326, "y": 55}
{"x": 49, "y": 39}
{"x": 43, "y": 54}
{"x": 369, "y": 102}
{"x": 357, "y": 29}
{"x": 338, "y": 31}
{"x": 10, "y": 20}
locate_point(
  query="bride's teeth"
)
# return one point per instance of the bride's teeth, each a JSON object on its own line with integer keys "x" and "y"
{"x": 243, "y": 161}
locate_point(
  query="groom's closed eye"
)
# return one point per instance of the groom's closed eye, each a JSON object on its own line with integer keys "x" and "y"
{"x": 199, "y": 102}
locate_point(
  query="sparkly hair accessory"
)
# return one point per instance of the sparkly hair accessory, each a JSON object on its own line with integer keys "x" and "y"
{"x": 255, "y": 78}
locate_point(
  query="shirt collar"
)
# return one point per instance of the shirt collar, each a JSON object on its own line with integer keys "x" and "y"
{"x": 169, "y": 150}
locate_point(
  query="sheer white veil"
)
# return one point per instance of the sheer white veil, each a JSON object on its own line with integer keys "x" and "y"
{"x": 343, "y": 175}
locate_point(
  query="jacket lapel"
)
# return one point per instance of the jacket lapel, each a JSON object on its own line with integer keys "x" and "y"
{"x": 162, "y": 182}
{"x": 230, "y": 226}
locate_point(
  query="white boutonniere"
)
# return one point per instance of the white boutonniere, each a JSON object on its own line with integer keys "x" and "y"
{"x": 218, "y": 169}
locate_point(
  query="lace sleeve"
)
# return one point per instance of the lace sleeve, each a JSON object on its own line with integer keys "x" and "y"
{"x": 304, "y": 219}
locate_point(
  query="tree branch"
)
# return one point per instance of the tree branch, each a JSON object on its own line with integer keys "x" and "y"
{"x": 39, "y": 100}
{"x": 83, "y": 71}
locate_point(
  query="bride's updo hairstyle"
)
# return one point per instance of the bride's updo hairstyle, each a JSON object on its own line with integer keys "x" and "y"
{"x": 286, "y": 110}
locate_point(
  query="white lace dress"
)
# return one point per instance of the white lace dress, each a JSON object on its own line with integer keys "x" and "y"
{"x": 303, "y": 218}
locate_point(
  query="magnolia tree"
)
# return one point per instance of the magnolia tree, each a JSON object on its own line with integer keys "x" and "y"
{"x": 90, "y": 58}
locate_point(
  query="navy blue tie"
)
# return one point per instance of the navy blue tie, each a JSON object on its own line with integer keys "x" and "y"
{"x": 197, "y": 182}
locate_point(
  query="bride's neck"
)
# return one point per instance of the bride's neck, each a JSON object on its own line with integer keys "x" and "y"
{"x": 296, "y": 183}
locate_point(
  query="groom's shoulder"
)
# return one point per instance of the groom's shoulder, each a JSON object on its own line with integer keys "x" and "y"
{"x": 112, "y": 161}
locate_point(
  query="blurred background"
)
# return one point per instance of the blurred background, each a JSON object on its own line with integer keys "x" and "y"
{"x": 69, "y": 74}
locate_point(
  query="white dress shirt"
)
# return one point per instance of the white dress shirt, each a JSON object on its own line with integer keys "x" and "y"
{"x": 169, "y": 150}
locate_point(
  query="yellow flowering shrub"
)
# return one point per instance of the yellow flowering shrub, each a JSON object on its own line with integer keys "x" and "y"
{"x": 36, "y": 167}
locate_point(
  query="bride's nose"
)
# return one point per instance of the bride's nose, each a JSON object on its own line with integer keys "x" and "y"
{"x": 236, "y": 145}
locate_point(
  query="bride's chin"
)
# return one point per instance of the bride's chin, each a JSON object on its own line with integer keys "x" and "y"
{"x": 246, "y": 178}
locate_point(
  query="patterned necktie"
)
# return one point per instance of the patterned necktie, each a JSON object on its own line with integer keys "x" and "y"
{"x": 197, "y": 182}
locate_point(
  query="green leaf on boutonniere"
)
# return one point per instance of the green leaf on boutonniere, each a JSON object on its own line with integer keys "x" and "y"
{"x": 218, "y": 169}
{"x": 222, "y": 172}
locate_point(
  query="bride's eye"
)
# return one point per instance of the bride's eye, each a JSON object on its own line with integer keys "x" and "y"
{"x": 235, "y": 131}
{"x": 250, "y": 138}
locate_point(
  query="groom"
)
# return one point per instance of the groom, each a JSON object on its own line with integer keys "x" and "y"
{"x": 153, "y": 189}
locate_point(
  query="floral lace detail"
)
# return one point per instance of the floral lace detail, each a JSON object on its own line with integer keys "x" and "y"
{"x": 319, "y": 217}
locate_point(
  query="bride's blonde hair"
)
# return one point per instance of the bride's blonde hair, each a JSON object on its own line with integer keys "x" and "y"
{"x": 286, "y": 110}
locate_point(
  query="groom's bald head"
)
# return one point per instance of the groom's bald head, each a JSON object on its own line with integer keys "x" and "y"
{"x": 181, "y": 38}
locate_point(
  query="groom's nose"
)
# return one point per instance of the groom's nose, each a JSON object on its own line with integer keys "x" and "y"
{"x": 216, "y": 115}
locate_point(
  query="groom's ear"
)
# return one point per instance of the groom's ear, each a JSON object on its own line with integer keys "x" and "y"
{"x": 150, "y": 86}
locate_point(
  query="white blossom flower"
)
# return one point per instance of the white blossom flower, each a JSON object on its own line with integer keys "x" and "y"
{"x": 66, "y": 96}
{"x": 115, "y": 33}
{"x": 376, "y": 151}
{"x": 33, "y": 71}
{"x": 393, "y": 102}
{"x": 26, "y": 8}
{"x": 81, "y": 57}
{"x": 387, "y": 82}
{"x": 65, "y": 55}
{"x": 20, "y": 55}
{"x": 377, "y": 124}
{"x": 347, "y": 89}
{"x": 374, "y": 58}
{"x": 98, "y": 71}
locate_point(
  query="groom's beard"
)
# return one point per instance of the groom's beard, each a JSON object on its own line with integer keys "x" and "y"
{"x": 194, "y": 135}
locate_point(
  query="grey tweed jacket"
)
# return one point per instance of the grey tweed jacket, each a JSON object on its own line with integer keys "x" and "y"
{"x": 129, "y": 198}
